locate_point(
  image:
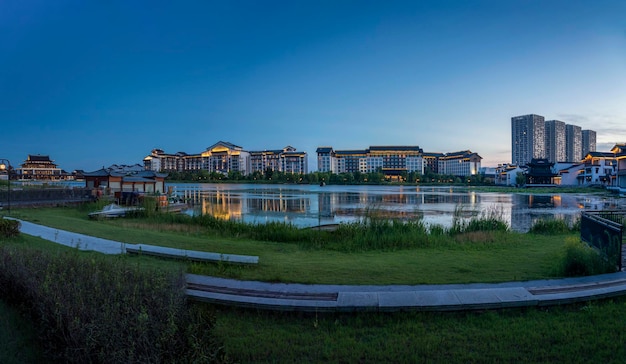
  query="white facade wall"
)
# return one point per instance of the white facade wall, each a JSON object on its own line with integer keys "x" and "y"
{"x": 341, "y": 165}
{"x": 324, "y": 163}
{"x": 363, "y": 165}
{"x": 569, "y": 176}
{"x": 511, "y": 176}
{"x": 597, "y": 173}
{"x": 244, "y": 163}
{"x": 506, "y": 175}
{"x": 456, "y": 167}
{"x": 374, "y": 163}
{"x": 154, "y": 163}
{"x": 415, "y": 164}
{"x": 621, "y": 172}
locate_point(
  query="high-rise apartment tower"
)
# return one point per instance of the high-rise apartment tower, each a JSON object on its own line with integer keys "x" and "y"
{"x": 555, "y": 141}
{"x": 589, "y": 142}
{"x": 574, "y": 143}
{"x": 527, "y": 138}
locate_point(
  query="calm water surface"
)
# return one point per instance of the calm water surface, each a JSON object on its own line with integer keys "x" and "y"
{"x": 311, "y": 205}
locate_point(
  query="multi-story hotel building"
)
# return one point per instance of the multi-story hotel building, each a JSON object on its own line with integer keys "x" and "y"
{"x": 588, "y": 142}
{"x": 391, "y": 160}
{"x": 431, "y": 162}
{"x": 395, "y": 160}
{"x": 326, "y": 161}
{"x": 225, "y": 157}
{"x": 352, "y": 161}
{"x": 555, "y": 141}
{"x": 464, "y": 163}
{"x": 286, "y": 160}
{"x": 527, "y": 138}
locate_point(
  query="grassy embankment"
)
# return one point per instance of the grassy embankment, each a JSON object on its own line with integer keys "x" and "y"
{"x": 574, "y": 333}
{"x": 389, "y": 256}
{"x": 86, "y": 307}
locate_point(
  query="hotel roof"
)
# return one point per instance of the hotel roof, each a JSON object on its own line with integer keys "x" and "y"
{"x": 396, "y": 148}
{"x": 324, "y": 149}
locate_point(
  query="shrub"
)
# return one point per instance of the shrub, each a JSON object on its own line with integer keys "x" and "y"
{"x": 105, "y": 310}
{"x": 581, "y": 260}
{"x": 9, "y": 228}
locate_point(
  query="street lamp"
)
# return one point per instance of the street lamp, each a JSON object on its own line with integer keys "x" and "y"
{"x": 6, "y": 165}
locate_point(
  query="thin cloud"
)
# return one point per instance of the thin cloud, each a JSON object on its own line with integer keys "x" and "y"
{"x": 575, "y": 119}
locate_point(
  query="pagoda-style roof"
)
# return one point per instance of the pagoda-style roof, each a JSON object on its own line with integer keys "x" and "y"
{"x": 539, "y": 172}
{"x": 540, "y": 167}
{"x": 619, "y": 148}
{"x": 38, "y": 158}
{"x": 112, "y": 172}
{"x": 224, "y": 144}
{"x": 600, "y": 155}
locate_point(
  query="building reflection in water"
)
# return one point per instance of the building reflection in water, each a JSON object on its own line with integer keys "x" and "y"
{"x": 313, "y": 205}
{"x": 237, "y": 205}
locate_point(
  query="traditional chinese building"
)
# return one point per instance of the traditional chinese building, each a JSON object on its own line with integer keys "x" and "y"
{"x": 540, "y": 173}
{"x": 39, "y": 167}
{"x": 125, "y": 179}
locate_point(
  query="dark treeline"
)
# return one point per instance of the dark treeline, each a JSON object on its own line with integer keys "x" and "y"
{"x": 270, "y": 176}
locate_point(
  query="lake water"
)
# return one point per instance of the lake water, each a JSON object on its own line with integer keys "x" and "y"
{"x": 312, "y": 205}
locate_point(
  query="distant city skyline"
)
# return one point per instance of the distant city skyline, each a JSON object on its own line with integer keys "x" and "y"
{"x": 92, "y": 84}
{"x": 533, "y": 137}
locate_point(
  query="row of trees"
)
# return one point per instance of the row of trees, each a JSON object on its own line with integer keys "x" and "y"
{"x": 270, "y": 176}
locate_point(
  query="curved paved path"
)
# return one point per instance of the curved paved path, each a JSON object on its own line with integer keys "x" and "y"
{"x": 320, "y": 298}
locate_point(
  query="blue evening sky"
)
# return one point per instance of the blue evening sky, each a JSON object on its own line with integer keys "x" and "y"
{"x": 93, "y": 83}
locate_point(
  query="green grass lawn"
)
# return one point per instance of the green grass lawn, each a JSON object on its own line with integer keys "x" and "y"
{"x": 580, "y": 333}
{"x": 508, "y": 256}
{"x": 587, "y": 333}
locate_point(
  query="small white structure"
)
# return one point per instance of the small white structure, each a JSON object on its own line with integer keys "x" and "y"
{"x": 568, "y": 173}
{"x": 506, "y": 174}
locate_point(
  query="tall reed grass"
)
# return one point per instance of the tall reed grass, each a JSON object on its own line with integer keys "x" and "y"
{"x": 552, "y": 227}
{"x": 104, "y": 309}
{"x": 491, "y": 219}
{"x": 375, "y": 231}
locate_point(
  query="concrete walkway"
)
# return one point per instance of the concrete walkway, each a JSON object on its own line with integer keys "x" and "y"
{"x": 74, "y": 240}
{"x": 86, "y": 242}
{"x": 328, "y": 298}
{"x": 479, "y": 296}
